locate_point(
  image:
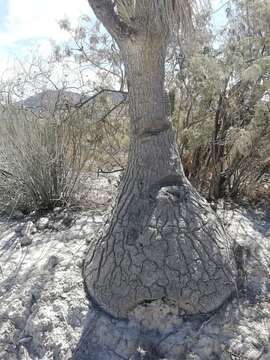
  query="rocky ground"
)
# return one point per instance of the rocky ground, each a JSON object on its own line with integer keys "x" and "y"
{"x": 44, "y": 308}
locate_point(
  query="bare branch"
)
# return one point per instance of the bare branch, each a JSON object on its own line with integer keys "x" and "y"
{"x": 100, "y": 171}
{"x": 104, "y": 11}
{"x": 91, "y": 98}
{"x": 112, "y": 110}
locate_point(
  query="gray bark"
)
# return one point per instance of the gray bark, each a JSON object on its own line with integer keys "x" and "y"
{"x": 163, "y": 240}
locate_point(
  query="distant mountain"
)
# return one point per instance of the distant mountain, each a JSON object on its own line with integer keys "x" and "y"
{"x": 50, "y": 100}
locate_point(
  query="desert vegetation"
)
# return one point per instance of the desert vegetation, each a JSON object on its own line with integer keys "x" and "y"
{"x": 142, "y": 154}
{"x": 51, "y": 140}
{"x": 42, "y": 159}
{"x": 222, "y": 115}
{"x": 218, "y": 86}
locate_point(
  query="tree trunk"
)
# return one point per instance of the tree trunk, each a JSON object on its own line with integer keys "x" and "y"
{"x": 163, "y": 240}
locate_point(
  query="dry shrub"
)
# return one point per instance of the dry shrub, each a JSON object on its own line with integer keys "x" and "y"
{"x": 42, "y": 157}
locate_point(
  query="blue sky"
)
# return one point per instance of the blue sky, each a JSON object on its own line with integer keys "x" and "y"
{"x": 28, "y": 25}
{"x": 219, "y": 9}
{"x": 3, "y": 13}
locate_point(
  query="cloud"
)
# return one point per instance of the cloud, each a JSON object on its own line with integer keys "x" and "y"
{"x": 32, "y": 19}
{"x": 29, "y": 27}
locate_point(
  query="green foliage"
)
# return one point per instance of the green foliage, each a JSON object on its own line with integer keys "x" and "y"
{"x": 222, "y": 110}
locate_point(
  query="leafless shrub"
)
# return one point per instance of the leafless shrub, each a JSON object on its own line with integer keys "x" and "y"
{"x": 42, "y": 156}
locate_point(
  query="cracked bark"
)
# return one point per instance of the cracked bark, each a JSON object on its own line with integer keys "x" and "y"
{"x": 163, "y": 240}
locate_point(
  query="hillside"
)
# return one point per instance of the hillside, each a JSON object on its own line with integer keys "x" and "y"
{"x": 49, "y": 100}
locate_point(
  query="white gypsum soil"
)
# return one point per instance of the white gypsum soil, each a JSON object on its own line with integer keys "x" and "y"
{"x": 43, "y": 305}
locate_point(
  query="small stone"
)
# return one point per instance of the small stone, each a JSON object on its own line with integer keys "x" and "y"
{"x": 19, "y": 228}
{"x": 81, "y": 221}
{"x": 79, "y": 263}
{"x": 50, "y": 225}
{"x": 26, "y": 240}
{"x": 213, "y": 206}
{"x": 55, "y": 226}
{"x": 17, "y": 214}
{"x": 57, "y": 209}
{"x": 52, "y": 262}
{"x": 98, "y": 219}
{"x": 193, "y": 356}
{"x": 67, "y": 221}
{"x": 25, "y": 340}
{"x": 88, "y": 240}
{"x": 88, "y": 230}
{"x": 58, "y": 217}
{"x": 29, "y": 229}
{"x": 81, "y": 235}
{"x": 42, "y": 223}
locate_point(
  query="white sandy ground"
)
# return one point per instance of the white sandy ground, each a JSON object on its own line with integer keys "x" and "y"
{"x": 43, "y": 306}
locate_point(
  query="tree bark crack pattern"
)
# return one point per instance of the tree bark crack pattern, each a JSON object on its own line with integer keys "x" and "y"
{"x": 163, "y": 241}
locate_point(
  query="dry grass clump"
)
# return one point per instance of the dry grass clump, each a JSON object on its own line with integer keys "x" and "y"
{"x": 41, "y": 158}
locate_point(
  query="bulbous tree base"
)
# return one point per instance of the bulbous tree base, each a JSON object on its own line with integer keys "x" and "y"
{"x": 164, "y": 242}
{"x": 167, "y": 246}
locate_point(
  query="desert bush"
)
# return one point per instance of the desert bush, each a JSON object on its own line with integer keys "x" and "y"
{"x": 42, "y": 157}
{"x": 113, "y": 127}
{"x": 221, "y": 103}
{"x": 219, "y": 94}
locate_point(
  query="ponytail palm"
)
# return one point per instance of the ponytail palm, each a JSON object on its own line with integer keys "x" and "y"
{"x": 164, "y": 14}
{"x": 164, "y": 242}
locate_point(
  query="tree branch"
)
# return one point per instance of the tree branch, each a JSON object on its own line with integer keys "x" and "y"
{"x": 112, "y": 110}
{"x": 104, "y": 11}
{"x": 91, "y": 98}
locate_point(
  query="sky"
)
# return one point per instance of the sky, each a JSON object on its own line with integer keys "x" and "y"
{"x": 219, "y": 12}
{"x": 31, "y": 25}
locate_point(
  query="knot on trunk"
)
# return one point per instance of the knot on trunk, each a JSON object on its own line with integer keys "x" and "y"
{"x": 170, "y": 185}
